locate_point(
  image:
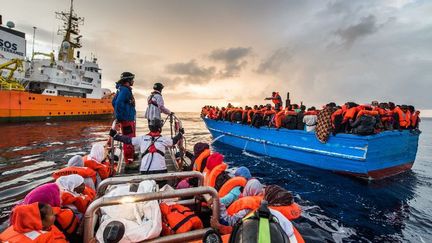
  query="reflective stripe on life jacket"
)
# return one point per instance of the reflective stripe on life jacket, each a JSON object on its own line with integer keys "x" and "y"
{"x": 210, "y": 178}
{"x": 291, "y": 212}
{"x": 82, "y": 171}
{"x": 249, "y": 202}
{"x": 178, "y": 219}
{"x": 230, "y": 184}
{"x": 201, "y": 161}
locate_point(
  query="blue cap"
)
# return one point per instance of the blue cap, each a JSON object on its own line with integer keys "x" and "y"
{"x": 244, "y": 172}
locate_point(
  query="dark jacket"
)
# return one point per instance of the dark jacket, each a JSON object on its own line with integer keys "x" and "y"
{"x": 124, "y": 104}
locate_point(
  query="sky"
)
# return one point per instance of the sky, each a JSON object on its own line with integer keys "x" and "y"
{"x": 210, "y": 52}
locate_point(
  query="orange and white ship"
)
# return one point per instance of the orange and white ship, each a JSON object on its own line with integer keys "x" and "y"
{"x": 45, "y": 88}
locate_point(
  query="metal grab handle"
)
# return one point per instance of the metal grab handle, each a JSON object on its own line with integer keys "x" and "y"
{"x": 89, "y": 217}
{"x": 138, "y": 178}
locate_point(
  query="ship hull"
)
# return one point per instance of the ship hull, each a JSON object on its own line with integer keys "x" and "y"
{"x": 369, "y": 157}
{"x": 22, "y": 106}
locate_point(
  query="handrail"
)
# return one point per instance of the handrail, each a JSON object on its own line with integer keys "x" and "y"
{"x": 138, "y": 178}
{"x": 89, "y": 217}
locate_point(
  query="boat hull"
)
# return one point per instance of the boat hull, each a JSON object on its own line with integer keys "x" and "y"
{"x": 22, "y": 106}
{"x": 371, "y": 157}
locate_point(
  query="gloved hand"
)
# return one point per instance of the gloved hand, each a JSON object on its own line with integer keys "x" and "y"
{"x": 181, "y": 130}
{"x": 112, "y": 132}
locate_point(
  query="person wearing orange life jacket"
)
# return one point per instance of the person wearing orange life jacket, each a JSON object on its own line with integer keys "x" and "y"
{"x": 236, "y": 115}
{"x": 67, "y": 222}
{"x": 75, "y": 165}
{"x": 32, "y": 223}
{"x": 231, "y": 190}
{"x": 249, "y": 200}
{"x": 336, "y": 119}
{"x": 96, "y": 161}
{"x": 276, "y": 99}
{"x": 402, "y": 117}
{"x": 245, "y": 115}
{"x": 214, "y": 173}
{"x": 250, "y": 114}
{"x": 350, "y": 116}
{"x": 72, "y": 188}
{"x": 201, "y": 153}
{"x": 268, "y": 117}
{"x": 178, "y": 219}
{"x": 415, "y": 117}
{"x": 282, "y": 200}
{"x": 152, "y": 147}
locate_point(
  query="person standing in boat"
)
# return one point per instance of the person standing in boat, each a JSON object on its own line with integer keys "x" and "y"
{"x": 276, "y": 99}
{"x": 125, "y": 113}
{"x": 156, "y": 104}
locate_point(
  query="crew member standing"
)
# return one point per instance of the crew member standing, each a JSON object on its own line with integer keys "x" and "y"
{"x": 276, "y": 99}
{"x": 156, "y": 104}
{"x": 124, "y": 107}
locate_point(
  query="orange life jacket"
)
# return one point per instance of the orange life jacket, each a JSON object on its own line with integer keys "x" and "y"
{"x": 298, "y": 236}
{"x": 366, "y": 112}
{"x": 290, "y": 212}
{"x": 404, "y": 117}
{"x": 80, "y": 202}
{"x": 249, "y": 202}
{"x": 230, "y": 184}
{"x": 211, "y": 176}
{"x": 276, "y": 99}
{"x": 178, "y": 219}
{"x": 415, "y": 119}
{"x": 250, "y": 115}
{"x": 269, "y": 112}
{"x": 82, "y": 171}
{"x": 89, "y": 192}
{"x": 66, "y": 220}
{"x": 350, "y": 114}
{"x": 103, "y": 170}
{"x": 198, "y": 165}
{"x": 311, "y": 113}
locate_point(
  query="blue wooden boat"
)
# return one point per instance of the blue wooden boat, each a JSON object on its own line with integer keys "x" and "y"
{"x": 371, "y": 157}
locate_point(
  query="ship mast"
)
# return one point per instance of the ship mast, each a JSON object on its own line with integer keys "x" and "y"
{"x": 70, "y": 31}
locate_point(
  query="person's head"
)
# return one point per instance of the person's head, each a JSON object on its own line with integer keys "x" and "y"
{"x": 411, "y": 108}
{"x": 214, "y": 160}
{"x": 76, "y": 161}
{"x": 312, "y": 108}
{"x": 158, "y": 86}
{"x": 404, "y": 108}
{"x": 277, "y": 196}
{"x": 71, "y": 183}
{"x": 273, "y": 93}
{"x": 97, "y": 152}
{"x": 302, "y": 108}
{"x": 127, "y": 78}
{"x": 331, "y": 105}
{"x": 155, "y": 125}
{"x": 47, "y": 215}
{"x": 391, "y": 105}
{"x": 253, "y": 188}
{"x": 243, "y": 172}
{"x": 113, "y": 232}
{"x": 199, "y": 148}
{"x": 374, "y": 103}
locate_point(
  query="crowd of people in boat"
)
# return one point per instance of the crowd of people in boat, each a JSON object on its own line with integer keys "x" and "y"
{"x": 361, "y": 119}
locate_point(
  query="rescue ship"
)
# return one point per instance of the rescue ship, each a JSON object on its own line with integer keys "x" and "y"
{"x": 39, "y": 89}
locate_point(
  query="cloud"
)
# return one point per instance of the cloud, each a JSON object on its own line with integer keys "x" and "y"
{"x": 191, "y": 71}
{"x": 234, "y": 60}
{"x": 272, "y": 63}
{"x": 366, "y": 26}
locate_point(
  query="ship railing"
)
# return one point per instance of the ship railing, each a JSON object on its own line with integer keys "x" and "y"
{"x": 213, "y": 200}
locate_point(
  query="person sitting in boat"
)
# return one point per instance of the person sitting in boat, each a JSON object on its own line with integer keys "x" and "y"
{"x": 231, "y": 190}
{"x": 366, "y": 122}
{"x": 282, "y": 200}
{"x": 415, "y": 117}
{"x": 201, "y": 154}
{"x": 214, "y": 173}
{"x": 73, "y": 193}
{"x": 268, "y": 115}
{"x": 32, "y": 223}
{"x": 402, "y": 117}
{"x": 310, "y": 119}
{"x": 275, "y": 227}
{"x": 125, "y": 113}
{"x": 336, "y": 119}
{"x": 96, "y": 161}
{"x": 75, "y": 165}
{"x": 249, "y": 200}
{"x": 276, "y": 99}
{"x": 300, "y": 115}
{"x": 350, "y": 116}
{"x": 152, "y": 147}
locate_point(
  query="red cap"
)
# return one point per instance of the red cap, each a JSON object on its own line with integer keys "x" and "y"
{"x": 214, "y": 160}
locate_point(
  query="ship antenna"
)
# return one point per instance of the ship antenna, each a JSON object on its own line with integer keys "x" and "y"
{"x": 34, "y": 37}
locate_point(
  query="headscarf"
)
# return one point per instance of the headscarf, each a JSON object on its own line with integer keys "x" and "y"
{"x": 277, "y": 196}
{"x": 214, "y": 160}
{"x": 243, "y": 172}
{"x": 69, "y": 183}
{"x": 199, "y": 148}
{"x": 253, "y": 188}
{"x": 26, "y": 218}
{"x": 76, "y": 160}
{"x": 97, "y": 152}
{"x": 48, "y": 193}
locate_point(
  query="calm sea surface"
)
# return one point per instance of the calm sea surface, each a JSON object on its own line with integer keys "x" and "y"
{"x": 336, "y": 208}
